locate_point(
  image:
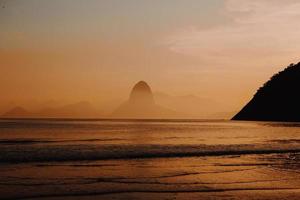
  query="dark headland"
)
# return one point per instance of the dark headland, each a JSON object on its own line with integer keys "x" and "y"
{"x": 277, "y": 100}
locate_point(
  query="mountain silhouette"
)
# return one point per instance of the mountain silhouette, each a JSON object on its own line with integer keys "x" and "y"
{"x": 77, "y": 110}
{"x": 142, "y": 94}
{"x": 141, "y": 105}
{"x": 194, "y": 107}
{"x": 17, "y": 112}
{"x": 277, "y": 100}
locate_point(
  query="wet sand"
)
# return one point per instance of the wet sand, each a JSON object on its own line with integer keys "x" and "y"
{"x": 149, "y": 160}
{"x": 270, "y": 176}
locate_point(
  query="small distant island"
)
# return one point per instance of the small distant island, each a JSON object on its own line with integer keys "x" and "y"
{"x": 277, "y": 100}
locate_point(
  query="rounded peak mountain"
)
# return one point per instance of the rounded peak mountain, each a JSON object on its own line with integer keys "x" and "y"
{"x": 142, "y": 86}
{"x": 141, "y": 92}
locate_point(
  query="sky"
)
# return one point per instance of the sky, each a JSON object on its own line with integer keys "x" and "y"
{"x": 96, "y": 50}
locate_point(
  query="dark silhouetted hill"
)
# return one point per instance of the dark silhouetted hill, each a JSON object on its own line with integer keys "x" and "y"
{"x": 277, "y": 100}
{"x": 141, "y": 105}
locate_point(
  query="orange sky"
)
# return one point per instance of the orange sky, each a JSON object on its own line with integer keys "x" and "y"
{"x": 72, "y": 50}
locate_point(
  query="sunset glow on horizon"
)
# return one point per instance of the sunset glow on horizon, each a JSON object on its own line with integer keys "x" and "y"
{"x": 150, "y": 99}
{"x": 64, "y": 51}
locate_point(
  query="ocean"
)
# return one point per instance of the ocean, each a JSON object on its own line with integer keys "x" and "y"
{"x": 149, "y": 159}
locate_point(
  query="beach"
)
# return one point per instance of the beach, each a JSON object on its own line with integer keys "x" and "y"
{"x": 149, "y": 159}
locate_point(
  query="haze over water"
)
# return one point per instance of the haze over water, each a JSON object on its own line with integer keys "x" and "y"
{"x": 70, "y": 70}
{"x": 149, "y": 159}
{"x": 59, "y": 52}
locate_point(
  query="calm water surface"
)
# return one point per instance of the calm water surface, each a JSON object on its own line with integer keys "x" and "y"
{"x": 114, "y": 159}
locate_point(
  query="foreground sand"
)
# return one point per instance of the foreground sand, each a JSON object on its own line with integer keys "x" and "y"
{"x": 273, "y": 176}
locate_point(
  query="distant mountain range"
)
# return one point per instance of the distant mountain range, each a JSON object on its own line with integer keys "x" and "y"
{"x": 17, "y": 112}
{"x": 78, "y": 110}
{"x": 142, "y": 103}
{"x": 192, "y": 106}
{"x": 277, "y": 100}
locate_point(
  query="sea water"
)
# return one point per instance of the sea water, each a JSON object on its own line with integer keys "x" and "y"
{"x": 149, "y": 159}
